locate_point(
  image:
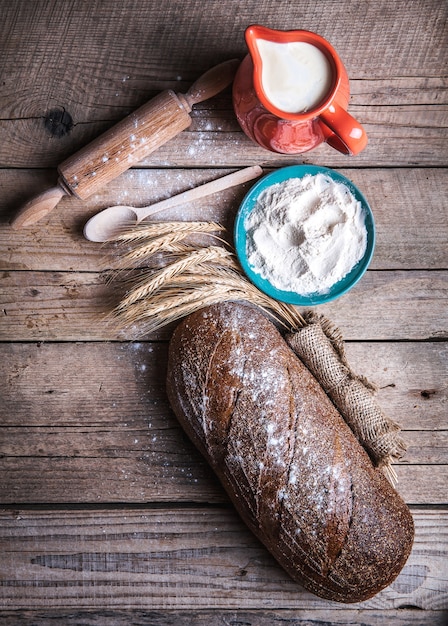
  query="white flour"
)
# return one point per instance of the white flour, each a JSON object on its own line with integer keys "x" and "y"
{"x": 304, "y": 235}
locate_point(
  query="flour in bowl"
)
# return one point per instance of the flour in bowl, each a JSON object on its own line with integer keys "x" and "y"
{"x": 305, "y": 234}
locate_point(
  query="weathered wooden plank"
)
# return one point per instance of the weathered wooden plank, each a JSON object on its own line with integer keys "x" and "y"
{"x": 104, "y": 57}
{"x": 399, "y": 90}
{"x": 70, "y": 385}
{"x": 94, "y": 420}
{"x": 103, "y": 431}
{"x": 411, "y": 380}
{"x": 48, "y": 306}
{"x": 181, "y": 559}
{"x": 400, "y": 200}
{"x": 155, "y": 476}
{"x": 268, "y": 617}
{"x": 99, "y": 385}
{"x": 151, "y": 478}
{"x": 162, "y": 445}
{"x": 42, "y": 304}
{"x": 398, "y": 136}
{"x": 407, "y": 80}
{"x": 379, "y": 299}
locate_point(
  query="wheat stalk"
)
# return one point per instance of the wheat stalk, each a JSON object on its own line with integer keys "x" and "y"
{"x": 228, "y": 279}
{"x": 146, "y": 288}
{"x": 151, "y": 239}
{"x": 166, "y": 243}
{"x": 148, "y": 230}
{"x": 196, "y": 277}
{"x": 214, "y": 284}
{"x": 173, "y": 308}
{"x": 168, "y": 301}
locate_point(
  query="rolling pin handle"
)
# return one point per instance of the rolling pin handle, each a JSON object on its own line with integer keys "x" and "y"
{"x": 38, "y": 207}
{"x": 212, "y": 82}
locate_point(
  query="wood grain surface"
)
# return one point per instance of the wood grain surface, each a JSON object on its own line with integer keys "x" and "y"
{"x": 108, "y": 515}
{"x": 399, "y": 198}
{"x": 190, "y": 558}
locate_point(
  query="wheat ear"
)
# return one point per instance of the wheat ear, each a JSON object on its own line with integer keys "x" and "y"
{"x": 168, "y": 242}
{"x": 149, "y": 230}
{"x": 212, "y": 253}
{"x": 218, "y": 283}
{"x": 195, "y": 268}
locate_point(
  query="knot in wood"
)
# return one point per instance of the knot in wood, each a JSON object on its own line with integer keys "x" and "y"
{"x": 58, "y": 122}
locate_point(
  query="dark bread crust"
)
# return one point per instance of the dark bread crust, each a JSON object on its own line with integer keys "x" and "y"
{"x": 292, "y": 467}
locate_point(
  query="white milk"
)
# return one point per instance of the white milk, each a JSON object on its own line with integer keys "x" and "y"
{"x": 295, "y": 76}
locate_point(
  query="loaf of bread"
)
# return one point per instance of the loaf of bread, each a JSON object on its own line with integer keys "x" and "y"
{"x": 292, "y": 467}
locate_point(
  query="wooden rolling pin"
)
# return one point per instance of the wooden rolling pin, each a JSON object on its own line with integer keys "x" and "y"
{"x": 126, "y": 143}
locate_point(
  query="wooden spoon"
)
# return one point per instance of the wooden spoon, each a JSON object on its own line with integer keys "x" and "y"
{"x": 127, "y": 143}
{"x": 109, "y": 222}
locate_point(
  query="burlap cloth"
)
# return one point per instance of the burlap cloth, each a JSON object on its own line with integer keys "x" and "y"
{"x": 320, "y": 347}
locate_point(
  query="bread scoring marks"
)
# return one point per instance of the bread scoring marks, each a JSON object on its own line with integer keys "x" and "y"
{"x": 321, "y": 522}
{"x": 256, "y": 458}
{"x": 244, "y": 442}
{"x": 289, "y": 478}
{"x": 220, "y": 389}
{"x": 339, "y": 506}
{"x": 344, "y": 533}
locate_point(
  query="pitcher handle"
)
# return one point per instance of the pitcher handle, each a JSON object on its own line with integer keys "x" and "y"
{"x": 348, "y": 136}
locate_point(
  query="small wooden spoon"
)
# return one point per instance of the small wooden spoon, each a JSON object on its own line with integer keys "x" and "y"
{"x": 109, "y": 222}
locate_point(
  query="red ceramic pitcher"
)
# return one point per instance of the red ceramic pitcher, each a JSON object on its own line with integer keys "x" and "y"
{"x": 293, "y": 132}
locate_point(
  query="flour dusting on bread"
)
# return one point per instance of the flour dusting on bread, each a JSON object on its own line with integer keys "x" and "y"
{"x": 292, "y": 466}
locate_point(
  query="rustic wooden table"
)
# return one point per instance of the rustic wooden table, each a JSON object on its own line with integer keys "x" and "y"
{"x": 109, "y": 515}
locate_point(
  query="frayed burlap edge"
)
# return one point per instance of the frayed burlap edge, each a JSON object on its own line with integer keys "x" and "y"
{"x": 320, "y": 346}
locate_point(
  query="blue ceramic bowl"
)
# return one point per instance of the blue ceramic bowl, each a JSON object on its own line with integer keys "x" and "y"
{"x": 240, "y": 237}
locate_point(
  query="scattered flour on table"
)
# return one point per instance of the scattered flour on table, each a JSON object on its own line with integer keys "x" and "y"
{"x": 304, "y": 235}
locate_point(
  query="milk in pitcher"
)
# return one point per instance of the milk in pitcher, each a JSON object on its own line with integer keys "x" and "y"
{"x": 296, "y": 76}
